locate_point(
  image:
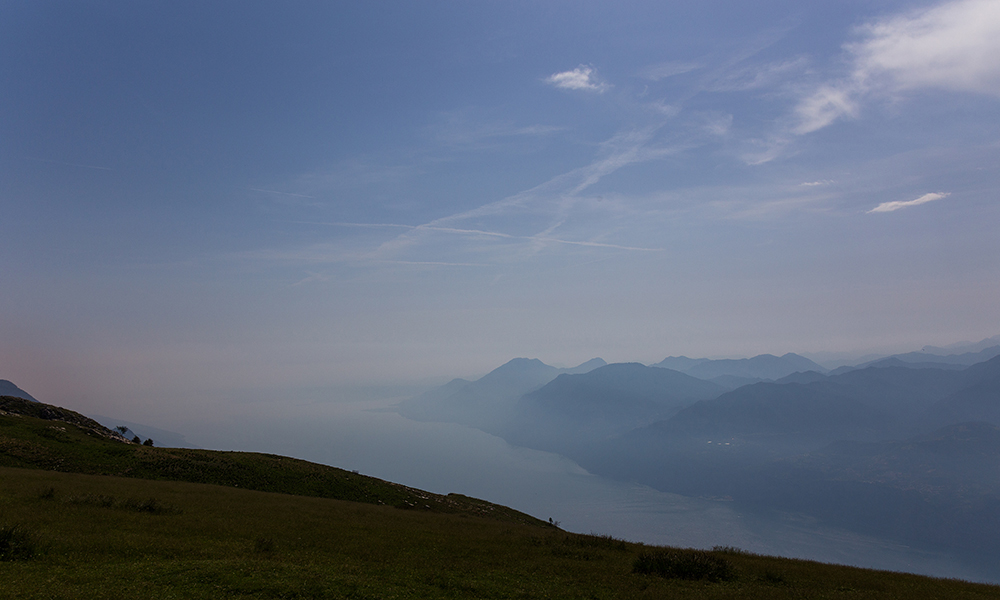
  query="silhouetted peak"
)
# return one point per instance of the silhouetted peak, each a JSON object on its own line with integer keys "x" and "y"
{"x": 7, "y": 388}
{"x": 586, "y": 367}
{"x": 521, "y": 364}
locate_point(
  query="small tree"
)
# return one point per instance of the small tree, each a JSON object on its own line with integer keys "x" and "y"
{"x": 121, "y": 429}
{"x": 148, "y": 442}
{"x": 136, "y": 440}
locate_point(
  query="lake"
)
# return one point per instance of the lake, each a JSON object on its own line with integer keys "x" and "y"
{"x": 367, "y": 436}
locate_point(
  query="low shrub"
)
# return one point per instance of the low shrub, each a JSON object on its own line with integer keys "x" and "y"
{"x": 16, "y": 543}
{"x": 602, "y": 541}
{"x": 264, "y": 545}
{"x": 150, "y": 505}
{"x": 772, "y": 578}
{"x": 683, "y": 564}
{"x": 732, "y": 550}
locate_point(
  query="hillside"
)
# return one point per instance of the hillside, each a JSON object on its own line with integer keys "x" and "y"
{"x": 39, "y": 436}
{"x": 76, "y": 534}
{"x": 86, "y": 536}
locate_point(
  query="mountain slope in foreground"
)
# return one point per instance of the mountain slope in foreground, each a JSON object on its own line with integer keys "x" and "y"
{"x": 39, "y": 436}
{"x": 73, "y": 535}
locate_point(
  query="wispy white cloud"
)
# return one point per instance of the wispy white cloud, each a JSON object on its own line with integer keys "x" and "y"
{"x": 622, "y": 149}
{"x": 718, "y": 125}
{"x": 312, "y": 278}
{"x": 665, "y": 109}
{"x": 824, "y": 106}
{"x": 751, "y": 77}
{"x": 465, "y": 129}
{"x": 594, "y": 244}
{"x": 765, "y": 209}
{"x": 431, "y": 263}
{"x": 546, "y": 206}
{"x": 580, "y": 78}
{"x": 898, "y": 204}
{"x": 952, "y": 46}
{"x": 765, "y": 150}
{"x": 668, "y": 69}
{"x": 542, "y": 237}
{"x": 816, "y": 183}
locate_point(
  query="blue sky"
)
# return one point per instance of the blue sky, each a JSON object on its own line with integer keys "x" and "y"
{"x": 203, "y": 199}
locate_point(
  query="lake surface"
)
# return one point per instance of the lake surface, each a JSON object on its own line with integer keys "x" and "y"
{"x": 368, "y": 437}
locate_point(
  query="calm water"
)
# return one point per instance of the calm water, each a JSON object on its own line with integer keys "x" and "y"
{"x": 366, "y": 436}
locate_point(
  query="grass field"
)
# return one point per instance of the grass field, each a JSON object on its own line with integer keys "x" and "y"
{"x": 68, "y": 535}
{"x": 95, "y": 537}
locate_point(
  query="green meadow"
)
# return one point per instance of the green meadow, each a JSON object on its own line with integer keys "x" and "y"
{"x": 98, "y": 518}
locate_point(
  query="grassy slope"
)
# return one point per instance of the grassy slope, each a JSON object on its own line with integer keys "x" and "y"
{"x": 114, "y": 537}
{"x": 39, "y": 436}
{"x": 216, "y": 542}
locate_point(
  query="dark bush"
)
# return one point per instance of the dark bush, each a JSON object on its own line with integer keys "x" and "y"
{"x": 150, "y": 506}
{"x": 602, "y": 541}
{"x": 16, "y": 543}
{"x": 683, "y": 564}
{"x": 771, "y": 578}
{"x": 731, "y": 550}
{"x": 148, "y": 442}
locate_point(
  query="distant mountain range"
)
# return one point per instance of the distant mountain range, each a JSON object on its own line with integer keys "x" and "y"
{"x": 604, "y": 402}
{"x": 491, "y": 399}
{"x": 922, "y": 360}
{"x": 904, "y": 446}
{"x": 963, "y": 347}
{"x": 758, "y": 368}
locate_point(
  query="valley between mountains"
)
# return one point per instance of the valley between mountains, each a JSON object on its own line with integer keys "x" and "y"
{"x": 905, "y": 448}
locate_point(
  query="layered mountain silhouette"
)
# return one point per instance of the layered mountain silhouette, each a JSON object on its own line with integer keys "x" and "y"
{"x": 604, "y": 402}
{"x": 905, "y": 447}
{"x": 963, "y": 347}
{"x": 758, "y": 368}
{"x": 7, "y": 388}
{"x": 977, "y": 400}
{"x": 926, "y": 359}
{"x": 490, "y": 400}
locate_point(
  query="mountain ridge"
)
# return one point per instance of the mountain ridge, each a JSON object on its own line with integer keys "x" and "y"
{"x": 760, "y": 367}
{"x": 7, "y": 388}
{"x": 490, "y": 400}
